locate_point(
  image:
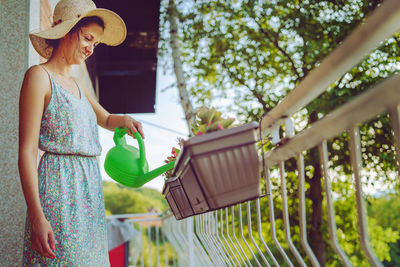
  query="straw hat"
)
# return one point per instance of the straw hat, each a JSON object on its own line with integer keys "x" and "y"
{"x": 67, "y": 13}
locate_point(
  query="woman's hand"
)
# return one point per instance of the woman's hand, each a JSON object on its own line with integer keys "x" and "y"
{"x": 42, "y": 237}
{"x": 133, "y": 125}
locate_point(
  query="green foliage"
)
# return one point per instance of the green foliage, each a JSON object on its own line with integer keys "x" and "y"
{"x": 120, "y": 200}
{"x": 254, "y": 53}
{"x": 348, "y": 234}
{"x": 386, "y": 212}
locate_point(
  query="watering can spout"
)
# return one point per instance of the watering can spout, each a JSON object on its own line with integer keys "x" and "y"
{"x": 127, "y": 164}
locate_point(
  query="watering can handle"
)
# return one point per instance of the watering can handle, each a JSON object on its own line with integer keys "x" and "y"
{"x": 119, "y": 140}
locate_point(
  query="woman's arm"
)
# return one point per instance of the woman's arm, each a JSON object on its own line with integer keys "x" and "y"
{"x": 111, "y": 121}
{"x": 35, "y": 89}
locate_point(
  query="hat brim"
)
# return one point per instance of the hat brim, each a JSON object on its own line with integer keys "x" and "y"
{"x": 114, "y": 31}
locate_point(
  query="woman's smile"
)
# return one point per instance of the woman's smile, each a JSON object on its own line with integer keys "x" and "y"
{"x": 88, "y": 37}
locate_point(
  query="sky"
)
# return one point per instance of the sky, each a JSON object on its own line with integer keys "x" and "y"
{"x": 158, "y": 142}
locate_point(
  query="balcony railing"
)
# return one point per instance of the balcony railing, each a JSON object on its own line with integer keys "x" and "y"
{"x": 235, "y": 236}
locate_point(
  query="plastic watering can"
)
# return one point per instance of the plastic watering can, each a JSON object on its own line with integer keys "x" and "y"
{"x": 128, "y": 165}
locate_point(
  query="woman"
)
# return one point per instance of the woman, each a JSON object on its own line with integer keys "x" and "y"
{"x": 66, "y": 218}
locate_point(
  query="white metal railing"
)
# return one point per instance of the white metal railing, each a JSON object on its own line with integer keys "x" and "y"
{"x": 220, "y": 238}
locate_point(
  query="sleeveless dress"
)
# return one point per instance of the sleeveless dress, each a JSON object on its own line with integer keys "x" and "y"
{"x": 70, "y": 184}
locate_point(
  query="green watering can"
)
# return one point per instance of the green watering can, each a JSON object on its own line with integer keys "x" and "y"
{"x": 128, "y": 165}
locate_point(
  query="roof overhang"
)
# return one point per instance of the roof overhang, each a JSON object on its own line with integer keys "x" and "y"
{"x": 124, "y": 77}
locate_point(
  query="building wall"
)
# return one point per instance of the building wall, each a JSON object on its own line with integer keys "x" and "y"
{"x": 17, "y": 19}
{"x": 14, "y": 60}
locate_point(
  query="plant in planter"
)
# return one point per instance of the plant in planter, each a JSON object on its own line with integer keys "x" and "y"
{"x": 209, "y": 120}
{"x": 174, "y": 154}
{"x": 218, "y": 167}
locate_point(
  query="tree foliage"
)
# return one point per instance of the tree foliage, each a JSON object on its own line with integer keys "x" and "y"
{"x": 381, "y": 236}
{"x": 244, "y": 56}
{"x": 386, "y": 212}
{"x": 121, "y": 200}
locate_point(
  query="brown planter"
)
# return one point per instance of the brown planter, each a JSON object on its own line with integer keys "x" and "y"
{"x": 177, "y": 198}
{"x": 215, "y": 170}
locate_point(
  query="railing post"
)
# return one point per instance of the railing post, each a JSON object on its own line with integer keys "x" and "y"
{"x": 302, "y": 212}
{"x": 260, "y": 233}
{"x": 213, "y": 235}
{"x": 165, "y": 244}
{"x": 142, "y": 243}
{"x": 149, "y": 238}
{"x": 171, "y": 237}
{"x": 249, "y": 225}
{"x": 219, "y": 241}
{"x": 230, "y": 239}
{"x": 199, "y": 233}
{"x": 183, "y": 233}
{"x": 285, "y": 213}
{"x": 157, "y": 246}
{"x": 355, "y": 156}
{"x": 234, "y": 235}
{"x": 190, "y": 230}
{"x": 199, "y": 248}
{"x": 242, "y": 235}
{"x": 174, "y": 230}
{"x": 323, "y": 158}
{"x": 217, "y": 257}
{"x": 224, "y": 239}
{"x": 272, "y": 217}
{"x": 395, "y": 118}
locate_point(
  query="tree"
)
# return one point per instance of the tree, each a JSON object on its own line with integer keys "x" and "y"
{"x": 122, "y": 200}
{"x": 386, "y": 211}
{"x": 255, "y": 52}
{"x": 174, "y": 42}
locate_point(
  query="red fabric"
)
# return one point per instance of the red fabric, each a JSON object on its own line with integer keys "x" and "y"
{"x": 117, "y": 256}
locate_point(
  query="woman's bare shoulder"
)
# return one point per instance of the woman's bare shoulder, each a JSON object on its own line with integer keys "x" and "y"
{"x": 36, "y": 72}
{"x": 37, "y": 79}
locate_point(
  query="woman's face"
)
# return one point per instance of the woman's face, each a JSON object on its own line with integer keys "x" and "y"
{"x": 81, "y": 43}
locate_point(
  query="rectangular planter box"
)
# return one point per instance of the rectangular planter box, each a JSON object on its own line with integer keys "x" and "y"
{"x": 217, "y": 170}
{"x": 177, "y": 198}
